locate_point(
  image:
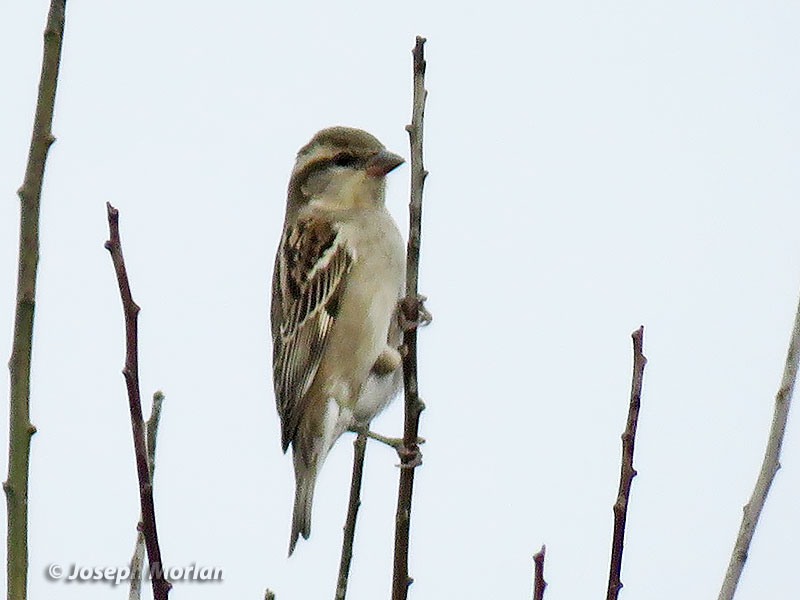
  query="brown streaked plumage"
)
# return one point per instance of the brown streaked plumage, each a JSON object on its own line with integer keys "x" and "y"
{"x": 339, "y": 273}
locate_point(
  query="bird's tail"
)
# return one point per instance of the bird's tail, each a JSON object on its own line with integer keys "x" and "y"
{"x": 306, "y": 478}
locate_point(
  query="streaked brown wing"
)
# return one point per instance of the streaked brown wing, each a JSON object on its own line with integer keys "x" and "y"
{"x": 310, "y": 275}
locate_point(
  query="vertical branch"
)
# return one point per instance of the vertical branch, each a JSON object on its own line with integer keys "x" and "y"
{"x": 135, "y": 589}
{"x": 151, "y": 431}
{"x": 19, "y": 366}
{"x": 627, "y": 472}
{"x": 538, "y": 575}
{"x": 769, "y": 466}
{"x": 359, "y": 449}
{"x": 130, "y": 309}
{"x": 411, "y": 307}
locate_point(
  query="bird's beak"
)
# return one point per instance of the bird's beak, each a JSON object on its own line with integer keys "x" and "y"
{"x": 383, "y": 162}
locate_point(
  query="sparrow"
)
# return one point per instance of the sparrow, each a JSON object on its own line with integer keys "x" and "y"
{"x": 339, "y": 275}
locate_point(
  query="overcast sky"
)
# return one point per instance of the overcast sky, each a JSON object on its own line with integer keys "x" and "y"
{"x": 594, "y": 166}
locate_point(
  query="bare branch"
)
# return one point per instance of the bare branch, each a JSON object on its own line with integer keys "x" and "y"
{"x": 20, "y": 428}
{"x": 538, "y": 575}
{"x": 411, "y": 307}
{"x": 161, "y": 586}
{"x": 769, "y": 467}
{"x": 627, "y": 472}
{"x": 359, "y": 449}
{"x": 137, "y": 560}
{"x": 151, "y": 431}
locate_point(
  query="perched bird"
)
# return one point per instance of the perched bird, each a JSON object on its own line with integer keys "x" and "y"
{"x": 339, "y": 274}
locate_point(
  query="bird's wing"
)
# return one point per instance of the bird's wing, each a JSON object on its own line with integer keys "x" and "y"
{"x": 311, "y": 271}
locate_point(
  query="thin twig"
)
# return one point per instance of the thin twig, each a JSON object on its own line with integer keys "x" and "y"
{"x": 769, "y": 467}
{"x": 538, "y": 575}
{"x": 151, "y": 432}
{"x": 411, "y": 305}
{"x": 20, "y": 428}
{"x": 137, "y": 560}
{"x": 359, "y": 449}
{"x": 627, "y": 472}
{"x": 161, "y": 586}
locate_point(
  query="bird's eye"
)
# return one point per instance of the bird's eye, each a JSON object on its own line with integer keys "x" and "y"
{"x": 344, "y": 159}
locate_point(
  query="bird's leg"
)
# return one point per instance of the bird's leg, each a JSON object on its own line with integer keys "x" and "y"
{"x": 396, "y": 443}
{"x": 409, "y": 458}
{"x": 412, "y": 313}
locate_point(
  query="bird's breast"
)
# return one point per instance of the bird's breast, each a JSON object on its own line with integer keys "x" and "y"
{"x": 366, "y": 312}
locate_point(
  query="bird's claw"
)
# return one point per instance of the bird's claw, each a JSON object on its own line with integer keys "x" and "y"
{"x": 412, "y": 313}
{"x": 410, "y": 458}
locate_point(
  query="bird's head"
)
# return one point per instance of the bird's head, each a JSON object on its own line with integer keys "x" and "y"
{"x": 341, "y": 168}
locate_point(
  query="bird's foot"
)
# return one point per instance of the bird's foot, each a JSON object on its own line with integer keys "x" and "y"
{"x": 412, "y": 313}
{"x": 409, "y": 457}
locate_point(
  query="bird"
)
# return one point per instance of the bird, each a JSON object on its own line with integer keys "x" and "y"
{"x": 338, "y": 278}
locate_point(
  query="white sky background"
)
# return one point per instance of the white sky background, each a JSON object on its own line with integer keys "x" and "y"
{"x": 594, "y": 167}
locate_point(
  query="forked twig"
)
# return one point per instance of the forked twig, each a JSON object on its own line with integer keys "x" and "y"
{"x": 151, "y": 432}
{"x": 161, "y": 586}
